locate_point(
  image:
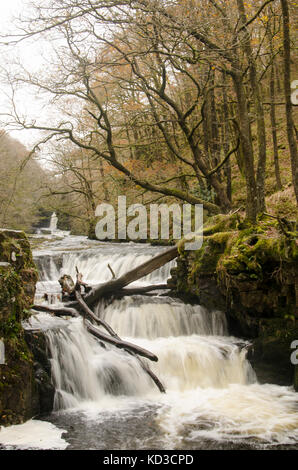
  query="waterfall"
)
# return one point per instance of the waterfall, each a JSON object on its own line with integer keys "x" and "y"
{"x": 138, "y": 317}
{"x": 53, "y": 222}
{"x": 83, "y": 370}
{"x": 188, "y": 340}
{"x": 212, "y": 390}
{"x": 93, "y": 264}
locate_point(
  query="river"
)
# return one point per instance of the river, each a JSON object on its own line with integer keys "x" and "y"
{"x": 105, "y": 400}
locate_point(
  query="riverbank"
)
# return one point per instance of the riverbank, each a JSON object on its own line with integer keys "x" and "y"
{"x": 18, "y": 276}
{"x": 250, "y": 272}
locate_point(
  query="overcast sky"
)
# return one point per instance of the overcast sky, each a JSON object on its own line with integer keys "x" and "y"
{"x": 10, "y": 8}
{"x": 30, "y": 56}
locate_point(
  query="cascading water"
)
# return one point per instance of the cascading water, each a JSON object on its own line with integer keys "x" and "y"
{"x": 93, "y": 263}
{"x": 213, "y": 398}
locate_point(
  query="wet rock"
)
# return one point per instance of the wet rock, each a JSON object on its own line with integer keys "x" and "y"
{"x": 250, "y": 272}
{"x": 18, "y": 275}
{"x": 37, "y": 343}
{"x": 296, "y": 378}
{"x": 46, "y": 390}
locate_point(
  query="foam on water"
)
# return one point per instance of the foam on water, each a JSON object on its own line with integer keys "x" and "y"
{"x": 33, "y": 434}
{"x": 263, "y": 414}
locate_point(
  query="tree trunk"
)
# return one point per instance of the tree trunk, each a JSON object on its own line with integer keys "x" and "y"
{"x": 259, "y": 110}
{"x": 274, "y": 129}
{"x": 226, "y": 139}
{"x": 287, "y": 89}
{"x": 247, "y": 149}
{"x": 115, "y": 285}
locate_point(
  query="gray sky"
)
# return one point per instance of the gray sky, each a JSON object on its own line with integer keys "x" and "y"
{"x": 30, "y": 55}
{"x": 9, "y": 8}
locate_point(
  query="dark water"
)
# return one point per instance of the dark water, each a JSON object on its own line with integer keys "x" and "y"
{"x": 139, "y": 431}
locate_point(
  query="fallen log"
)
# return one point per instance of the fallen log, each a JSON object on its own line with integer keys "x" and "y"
{"x": 129, "y": 350}
{"x": 115, "y": 287}
{"x": 112, "y": 272}
{"x": 140, "y": 290}
{"x": 110, "y": 287}
{"x": 152, "y": 375}
{"x": 119, "y": 343}
{"x": 115, "y": 340}
{"x": 93, "y": 317}
{"x": 58, "y": 311}
{"x": 71, "y": 312}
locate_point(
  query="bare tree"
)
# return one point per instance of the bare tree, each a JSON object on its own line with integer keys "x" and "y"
{"x": 287, "y": 89}
{"x": 167, "y": 60}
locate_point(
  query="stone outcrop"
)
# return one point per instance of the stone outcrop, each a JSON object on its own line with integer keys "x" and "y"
{"x": 251, "y": 273}
{"x": 37, "y": 343}
{"x": 19, "y": 387}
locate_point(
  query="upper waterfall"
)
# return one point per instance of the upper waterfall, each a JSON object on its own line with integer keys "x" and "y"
{"x": 93, "y": 264}
{"x": 53, "y": 222}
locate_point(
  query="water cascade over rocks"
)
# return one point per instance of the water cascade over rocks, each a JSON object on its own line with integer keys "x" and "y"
{"x": 105, "y": 400}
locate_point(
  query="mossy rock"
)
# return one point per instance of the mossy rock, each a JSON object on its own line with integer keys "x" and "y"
{"x": 18, "y": 276}
{"x": 15, "y": 249}
{"x": 207, "y": 257}
{"x": 272, "y": 350}
{"x": 254, "y": 266}
{"x": 249, "y": 271}
{"x": 221, "y": 223}
{"x": 17, "y": 386}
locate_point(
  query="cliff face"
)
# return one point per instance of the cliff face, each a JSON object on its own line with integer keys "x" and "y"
{"x": 18, "y": 276}
{"x": 250, "y": 272}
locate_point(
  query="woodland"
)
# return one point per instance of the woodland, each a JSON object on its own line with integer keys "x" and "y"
{"x": 187, "y": 101}
{"x": 169, "y": 102}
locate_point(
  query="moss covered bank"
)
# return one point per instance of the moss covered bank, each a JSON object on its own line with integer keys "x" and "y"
{"x": 250, "y": 272}
{"x": 19, "y": 396}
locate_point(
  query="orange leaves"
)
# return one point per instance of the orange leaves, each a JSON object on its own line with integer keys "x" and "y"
{"x": 132, "y": 105}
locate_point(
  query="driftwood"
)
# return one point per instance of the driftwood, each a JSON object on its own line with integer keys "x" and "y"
{"x": 67, "y": 284}
{"x": 113, "y": 338}
{"x": 119, "y": 343}
{"x": 111, "y": 287}
{"x": 58, "y": 311}
{"x": 115, "y": 288}
{"x": 112, "y": 272}
{"x": 146, "y": 290}
{"x": 131, "y": 349}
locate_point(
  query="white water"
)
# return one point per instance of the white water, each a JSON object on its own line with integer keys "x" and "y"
{"x": 212, "y": 391}
{"x": 93, "y": 264}
{"x": 33, "y": 434}
{"x": 160, "y": 317}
